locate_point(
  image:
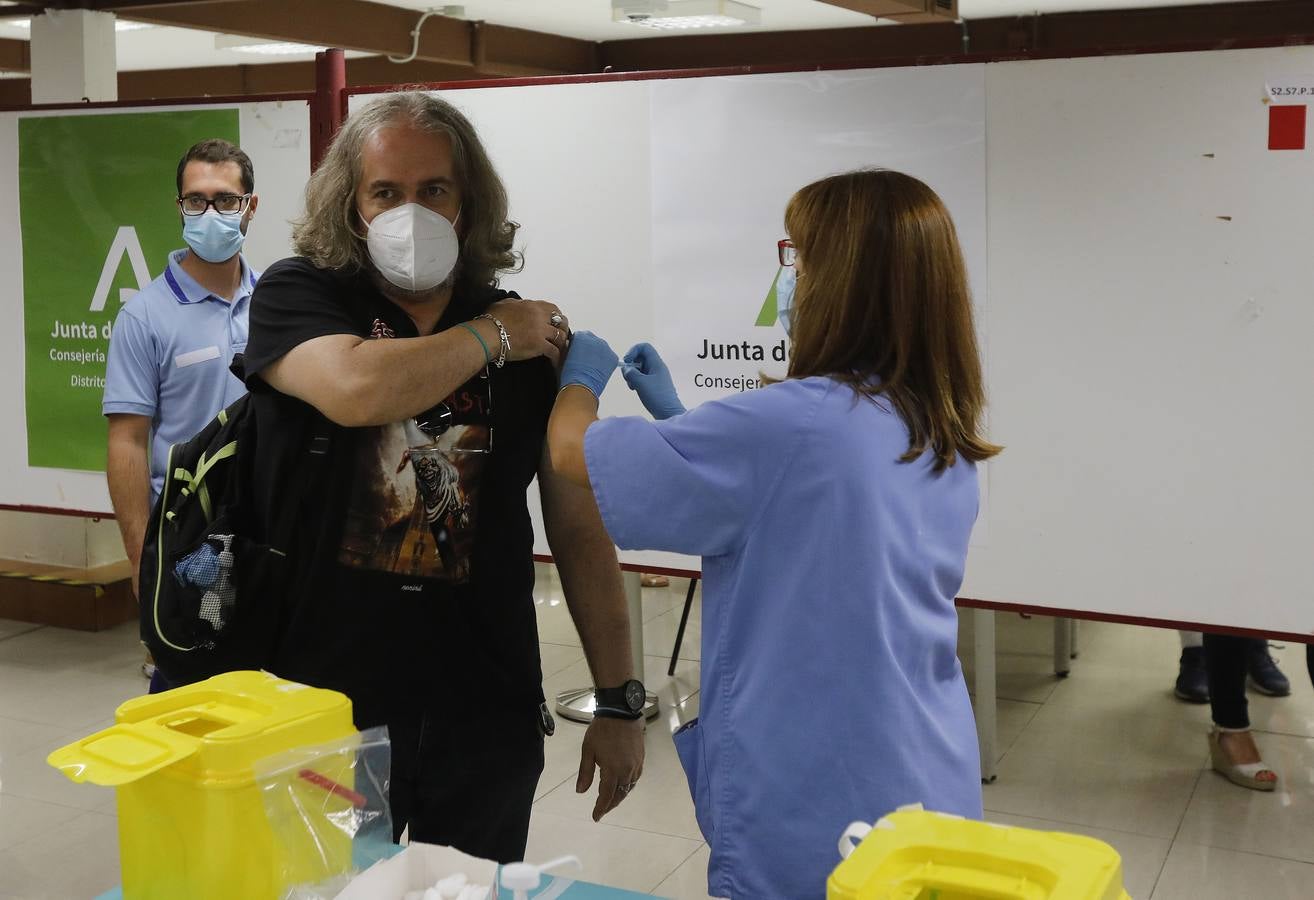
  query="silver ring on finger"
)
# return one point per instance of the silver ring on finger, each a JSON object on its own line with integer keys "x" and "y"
{"x": 556, "y": 319}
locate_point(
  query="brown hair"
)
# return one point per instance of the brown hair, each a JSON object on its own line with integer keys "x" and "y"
{"x": 328, "y": 233}
{"x": 882, "y": 304}
{"x": 217, "y": 150}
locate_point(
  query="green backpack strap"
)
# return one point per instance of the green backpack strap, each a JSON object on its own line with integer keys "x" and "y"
{"x": 195, "y": 482}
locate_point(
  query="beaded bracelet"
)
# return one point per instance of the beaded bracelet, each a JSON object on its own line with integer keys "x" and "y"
{"x": 501, "y": 333}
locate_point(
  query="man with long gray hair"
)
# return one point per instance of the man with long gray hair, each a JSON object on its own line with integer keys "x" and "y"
{"x": 427, "y": 391}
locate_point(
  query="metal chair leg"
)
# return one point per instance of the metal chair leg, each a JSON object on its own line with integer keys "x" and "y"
{"x": 684, "y": 620}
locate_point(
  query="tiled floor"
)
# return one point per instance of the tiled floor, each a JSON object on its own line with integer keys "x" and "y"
{"x": 1106, "y": 752}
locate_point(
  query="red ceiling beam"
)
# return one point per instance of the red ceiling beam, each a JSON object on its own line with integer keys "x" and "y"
{"x": 453, "y": 50}
{"x": 262, "y": 78}
{"x": 1112, "y": 31}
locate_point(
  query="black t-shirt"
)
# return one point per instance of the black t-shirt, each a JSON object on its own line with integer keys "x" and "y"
{"x": 412, "y": 584}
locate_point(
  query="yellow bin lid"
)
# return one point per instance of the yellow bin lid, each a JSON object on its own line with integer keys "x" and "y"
{"x": 911, "y": 854}
{"x": 214, "y": 730}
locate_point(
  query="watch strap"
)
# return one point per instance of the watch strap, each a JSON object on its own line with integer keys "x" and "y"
{"x": 620, "y": 698}
{"x": 611, "y": 712}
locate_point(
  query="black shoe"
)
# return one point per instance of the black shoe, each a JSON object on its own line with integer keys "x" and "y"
{"x": 1265, "y": 676}
{"x": 1192, "y": 679}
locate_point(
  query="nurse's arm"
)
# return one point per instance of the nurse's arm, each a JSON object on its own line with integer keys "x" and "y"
{"x": 591, "y": 581}
{"x": 575, "y": 410}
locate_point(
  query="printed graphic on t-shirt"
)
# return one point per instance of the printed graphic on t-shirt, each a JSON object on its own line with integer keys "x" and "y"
{"x": 415, "y": 500}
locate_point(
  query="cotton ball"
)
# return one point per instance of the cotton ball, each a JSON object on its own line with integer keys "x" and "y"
{"x": 473, "y": 892}
{"x": 433, "y": 894}
{"x": 414, "y": 895}
{"x": 451, "y": 886}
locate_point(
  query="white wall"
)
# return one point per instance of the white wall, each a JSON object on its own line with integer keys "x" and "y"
{"x": 1150, "y": 320}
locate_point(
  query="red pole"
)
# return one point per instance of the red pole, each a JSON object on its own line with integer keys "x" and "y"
{"x": 329, "y": 107}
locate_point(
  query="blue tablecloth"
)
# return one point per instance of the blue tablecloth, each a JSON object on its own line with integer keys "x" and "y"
{"x": 579, "y": 890}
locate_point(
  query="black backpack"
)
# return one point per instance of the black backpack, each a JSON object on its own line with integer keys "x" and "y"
{"x": 213, "y": 573}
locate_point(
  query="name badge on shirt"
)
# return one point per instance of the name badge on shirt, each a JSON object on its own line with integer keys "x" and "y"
{"x": 192, "y": 357}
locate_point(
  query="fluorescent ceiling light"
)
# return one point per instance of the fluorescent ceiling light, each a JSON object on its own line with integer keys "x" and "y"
{"x": 280, "y": 49}
{"x": 263, "y": 48}
{"x": 119, "y": 24}
{"x": 682, "y": 14}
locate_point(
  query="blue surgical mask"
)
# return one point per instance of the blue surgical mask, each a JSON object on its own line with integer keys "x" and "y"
{"x": 212, "y": 237}
{"x": 785, "y": 295}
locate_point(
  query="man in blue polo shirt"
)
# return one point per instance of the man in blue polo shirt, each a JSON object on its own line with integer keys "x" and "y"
{"x": 172, "y": 343}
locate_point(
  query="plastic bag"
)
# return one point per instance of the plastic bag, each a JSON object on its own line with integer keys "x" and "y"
{"x": 328, "y": 808}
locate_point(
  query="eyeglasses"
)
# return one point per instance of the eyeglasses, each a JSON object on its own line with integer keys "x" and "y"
{"x": 785, "y": 250}
{"x": 436, "y": 421}
{"x": 224, "y": 204}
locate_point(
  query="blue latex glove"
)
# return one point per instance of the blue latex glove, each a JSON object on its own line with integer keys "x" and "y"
{"x": 647, "y": 375}
{"x": 589, "y": 363}
{"x": 201, "y": 567}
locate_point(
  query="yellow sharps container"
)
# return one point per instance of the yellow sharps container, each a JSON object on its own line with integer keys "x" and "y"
{"x": 192, "y": 821}
{"x": 917, "y": 855}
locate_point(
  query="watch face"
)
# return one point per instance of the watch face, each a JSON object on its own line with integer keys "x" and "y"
{"x": 634, "y": 695}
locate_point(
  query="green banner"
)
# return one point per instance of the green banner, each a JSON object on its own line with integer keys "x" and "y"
{"x": 96, "y": 204}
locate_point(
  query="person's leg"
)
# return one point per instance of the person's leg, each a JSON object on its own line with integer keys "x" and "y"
{"x": 476, "y": 783}
{"x": 1225, "y": 661}
{"x": 1192, "y": 680}
{"x": 404, "y": 738}
{"x": 1232, "y": 746}
{"x": 1265, "y": 675}
{"x": 159, "y": 684}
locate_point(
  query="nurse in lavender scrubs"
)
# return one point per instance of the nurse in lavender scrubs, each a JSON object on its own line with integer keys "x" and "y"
{"x": 832, "y": 511}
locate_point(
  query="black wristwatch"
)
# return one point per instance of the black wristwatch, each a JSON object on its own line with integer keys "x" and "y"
{"x": 624, "y": 702}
